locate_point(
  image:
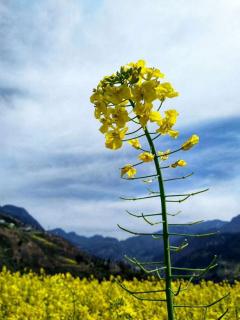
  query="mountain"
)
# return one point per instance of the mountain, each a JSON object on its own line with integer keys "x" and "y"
{"x": 110, "y": 248}
{"x": 22, "y": 215}
{"x": 198, "y": 254}
{"x": 141, "y": 247}
{"x": 23, "y": 248}
{"x": 24, "y": 244}
{"x": 206, "y": 226}
{"x": 232, "y": 227}
{"x": 225, "y": 246}
{"x": 103, "y": 247}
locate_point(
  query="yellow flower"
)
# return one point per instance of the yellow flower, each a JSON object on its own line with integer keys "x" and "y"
{"x": 164, "y": 154}
{"x": 180, "y": 163}
{"x": 149, "y": 73}
{"x": 100, "y": 110}
{"x": 135, "y": 143}
{"x": 145, "y": 91}
{"x": 148, "y": 90}
{"x": 146, "y": 157}
{"x": 165, "y": 90}
{"x": 138, "y": 64}
{"x": 171, "y": 116}
{"x": 138, "y": 86}
{"x": 129, "y": 170}
{"x": 137, "y": 93}
{"x": 143, "y": 120}
{"x": 96, "y": 96}
{"x": 146, "y": 73}
{"x": 155, "y": 116}
{"x": 119, "y": 116}
{"x": 53, "y": 296}
{"x": 143, "y": 110}
{"x": 168, "y": 122}
{"x": 190, "y": 142}
{"x": 173, "y": 133}
{"x": 106, "y": 123}
{"x": 114, "y": 138}
{"x": 117, "y": 94}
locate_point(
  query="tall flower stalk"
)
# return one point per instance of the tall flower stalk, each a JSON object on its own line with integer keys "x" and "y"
{"x": 128, "y": 105}
{"x": 166, "y": 242}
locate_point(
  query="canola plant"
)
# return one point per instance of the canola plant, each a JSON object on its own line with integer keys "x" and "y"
{"x": 63, "y": 297}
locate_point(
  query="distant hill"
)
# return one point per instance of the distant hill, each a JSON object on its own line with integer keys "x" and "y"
{"x": 232, "y": 227}
{"x": 198, "y": 254}
{"x": 141, "y": 247}
{"x": 103, "y": 247}
{"x": 25, "y": 248}
{"x": 24, "y": 243}
{"x": 22, "y": 215}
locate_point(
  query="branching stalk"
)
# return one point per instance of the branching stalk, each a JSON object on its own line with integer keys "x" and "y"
{"x": 166, "y": 242}
{"x": 144, "y": 87}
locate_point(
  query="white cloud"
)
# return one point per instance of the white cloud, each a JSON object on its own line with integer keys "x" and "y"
{"x": 102, "y": 216}
{"x": 54, "y": 53}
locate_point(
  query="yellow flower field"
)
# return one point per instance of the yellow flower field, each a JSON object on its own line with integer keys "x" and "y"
{"x": 32, "y": 296}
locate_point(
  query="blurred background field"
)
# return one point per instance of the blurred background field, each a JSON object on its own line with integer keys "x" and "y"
{"x": 63, "y": 297}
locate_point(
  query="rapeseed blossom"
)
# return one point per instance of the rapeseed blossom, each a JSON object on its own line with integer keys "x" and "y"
{"x": 146, "y": 157}
{"x": 114, "y": 138}
{"x": 129, "y": 170}
{"x": 179, "y": 163}
{"x": 63, "y": 297}
{"x": 164, "y": 154}
{"x": 136, "y": 84}
{"x": 190, "y": 142}
{"x": 131, "y": 97}
{"x": 135, "y": 143}
{"x": 128, "y": 104}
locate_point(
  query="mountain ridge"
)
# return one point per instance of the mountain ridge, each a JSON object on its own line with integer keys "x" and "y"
{"x": 21, "y": 214}
{"x": 140, "y": 246}
{"x": 198, "y": 253}
{"x": 25, "y": 248}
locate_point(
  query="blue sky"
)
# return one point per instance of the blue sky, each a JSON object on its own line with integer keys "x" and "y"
{"x": 52, "y": 53}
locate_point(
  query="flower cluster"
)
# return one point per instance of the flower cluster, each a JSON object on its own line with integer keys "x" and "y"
{"x": 136, "y": 86}
{"x": 133, "y": 96}
{"x": 63, "y": 297}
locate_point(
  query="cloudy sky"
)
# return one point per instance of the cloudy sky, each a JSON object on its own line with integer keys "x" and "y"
{"x": 53, "y": 52}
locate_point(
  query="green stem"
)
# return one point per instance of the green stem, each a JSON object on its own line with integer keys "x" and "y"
{"x": 166, "y": 242}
